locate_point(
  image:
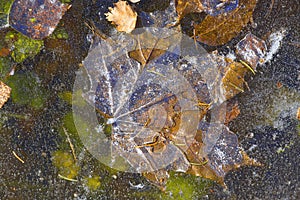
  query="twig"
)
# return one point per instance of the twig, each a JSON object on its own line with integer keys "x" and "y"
{"x": 71, "y": 145}
{"x": 20, "y": 159}
{"x": 66, "y": 178}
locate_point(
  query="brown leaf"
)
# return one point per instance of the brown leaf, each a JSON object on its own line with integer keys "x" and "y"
{"x": 158, "y": 178}
{"x": 184, "y": 7}
{"x": 122, "y": 16}
{"x": 232, "y": 112}
{"x": 233, "y": 80}
{"x": 4, "y": 93}
{"x": 4, "y": 52}
{"x": 298, "y": 114}
{"x": 143, "y": 56}
{"x": 220, "y": 29}
{"x": 223, "y": 157}
{"x": 199, "y": 162}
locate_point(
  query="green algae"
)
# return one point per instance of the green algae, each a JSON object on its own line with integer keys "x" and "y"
{"x": 65, "y": 163}
{"x": 22, "y": 46}
{"x": 26, "y": 90}
{"x": 183, "y": 186}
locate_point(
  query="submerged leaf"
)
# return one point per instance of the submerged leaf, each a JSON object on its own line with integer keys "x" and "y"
{"x": 213, "y": 157}
{"x": 4, "y": 93}
{"x": 122, "y": 16}
{"x": 220, "y": 29}
{"x": 184, "y": 7}
{"x": 150, "y": 106}
{"x": 36, "y": 19}
{"x": 233, "y": 111}
{"x": 143, "y": 56}
{"x": 233, "y": 80}
{"x": 251, "y": 49}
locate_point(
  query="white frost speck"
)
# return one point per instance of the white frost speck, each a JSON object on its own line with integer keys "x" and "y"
{"x": 275, "y": 41}
{"x": 111, "y": 120}
{"x": 99, "y": 128}
{"x": 138, "y": 186}
{"x": 252, "y": 147}
{"x": 231, "y": 55}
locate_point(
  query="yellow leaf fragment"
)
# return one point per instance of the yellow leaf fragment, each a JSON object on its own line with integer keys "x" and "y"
{"x": 4, "y": 93}
{"x": 298, "y": 114}
{"x": 233, "y": 80}
{"x": 218, "y": 30}
{"x": 122, "y": 16}
{"x": 143, "y": 56}
{"x": 184, "y": 7}
{"x": 232, "y": 112}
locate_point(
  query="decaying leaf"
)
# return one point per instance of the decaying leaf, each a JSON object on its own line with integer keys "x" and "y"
{"x": 233, "y": 111}
{"x": 36, "y": 19}
{"x": 184, "y": 7}
{"x": 298, "y": 114}
{"x": 251, "y": 49}
{"x": 233, "y": 80}
{"x": 4, "y": 52}
{"x": 231, "y": 76}
{"x": 123, "y": 16}
{"x": 220, "y": 29}
{"x": 143, "y": 56}
{"x": 214, "y": 160}
{"x": 154, "y": 102}
{"x": 4, "y": 93}
{"x": 209, "y": 157}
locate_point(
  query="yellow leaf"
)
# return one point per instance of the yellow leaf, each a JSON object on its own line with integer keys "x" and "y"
{"x": 4, "y": 93}
{"x": 143, "y": 56}
{"x": 122, "y": 16}
{"x": 218, "y": 30}
{"x": 184, "y": 7}
{"x": 233, "y": 79}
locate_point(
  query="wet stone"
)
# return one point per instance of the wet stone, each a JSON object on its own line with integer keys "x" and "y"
{"x": 36, "y": 19}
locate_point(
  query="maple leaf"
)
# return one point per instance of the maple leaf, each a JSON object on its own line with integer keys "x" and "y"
{"x": 122, "y": 16}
